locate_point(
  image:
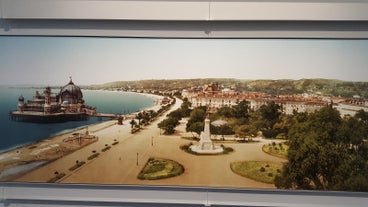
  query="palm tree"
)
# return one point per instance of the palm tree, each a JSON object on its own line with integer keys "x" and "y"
{"x": 139, "y": 116}
{"x": 133, "y": 123}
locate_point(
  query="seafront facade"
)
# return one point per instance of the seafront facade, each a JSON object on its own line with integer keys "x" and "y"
{"x": 214, "y": 96}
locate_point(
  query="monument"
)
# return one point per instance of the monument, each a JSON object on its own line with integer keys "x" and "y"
{"x": 205, "y": 145}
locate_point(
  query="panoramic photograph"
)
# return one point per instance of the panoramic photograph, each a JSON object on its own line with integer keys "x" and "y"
{"x": 232, "y": 113}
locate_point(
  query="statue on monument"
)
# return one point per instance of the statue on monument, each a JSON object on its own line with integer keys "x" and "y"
{"x": 205, "y": 144}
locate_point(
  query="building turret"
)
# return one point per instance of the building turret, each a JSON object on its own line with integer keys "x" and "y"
{"x": 47, "y": 106}
{"x": 21, "y": 103}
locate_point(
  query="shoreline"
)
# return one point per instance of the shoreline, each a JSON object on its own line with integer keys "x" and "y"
{"x": 156, "y": 98}
{"x": 54, "y": 147}
{"x": 48, "y": 150}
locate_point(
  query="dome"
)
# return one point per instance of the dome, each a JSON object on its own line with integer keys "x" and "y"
{"x": 71, "y": 93}
{"x": 21, "y": 98}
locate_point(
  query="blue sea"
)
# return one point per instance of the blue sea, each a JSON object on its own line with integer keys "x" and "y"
{"x": 15, "y": 134}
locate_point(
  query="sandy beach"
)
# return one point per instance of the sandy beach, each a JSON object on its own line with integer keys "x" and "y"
{"x": 157, "y": 99}
{"x": 47, "y": 150}
{"x": 123, "y": 162}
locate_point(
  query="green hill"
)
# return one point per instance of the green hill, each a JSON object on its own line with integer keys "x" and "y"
{"x": 326, "y": 87}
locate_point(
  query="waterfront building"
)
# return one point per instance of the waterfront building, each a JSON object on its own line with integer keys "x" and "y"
{"x": 68, "y": 104}
{"x": 213, "y": 97}
{"x": 351, "y": 106}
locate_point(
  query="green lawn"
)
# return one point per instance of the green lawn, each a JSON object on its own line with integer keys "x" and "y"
{"x": 158, "y": 168}
{"x": 257, "y": 170}
{"x": 278, "y": 150}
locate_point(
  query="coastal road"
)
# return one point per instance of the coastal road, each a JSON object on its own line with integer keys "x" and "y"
{"x": 107, "y": 135}
{"x": 123, "y": 162}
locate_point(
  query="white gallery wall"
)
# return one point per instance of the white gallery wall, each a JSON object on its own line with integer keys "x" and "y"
{"x": 182, "y": 19}
{"x": 186, "y": 18}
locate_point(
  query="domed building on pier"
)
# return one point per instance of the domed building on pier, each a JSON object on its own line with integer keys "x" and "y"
{"x": 71, "y": 93}
{"x": 68, "y": 104}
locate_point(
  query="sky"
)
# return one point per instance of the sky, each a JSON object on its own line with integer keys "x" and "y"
{"x": 97, "y": 60}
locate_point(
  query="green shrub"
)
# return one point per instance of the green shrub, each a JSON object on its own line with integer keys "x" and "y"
{"x": 56, "y": 177}
{"x": 77, "y": 165}
{"x": 106, "y": 148}
{"x": 93, "y": 156}
{"x": 186, "y": 148}
{"x": 228, "y": 150}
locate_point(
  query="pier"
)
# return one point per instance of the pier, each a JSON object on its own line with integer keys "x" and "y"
{"x": 107, "y": 115}
{"x": 41, "y": 117}
{"x": 55, "y": 117}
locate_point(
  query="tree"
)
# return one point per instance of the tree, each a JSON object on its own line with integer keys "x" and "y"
{"x": 185, "y": 108}
{"x": 241, "y": 110}
{"x": 281, "y": 128}
{"x": 244, "y": 131}
{"x": 146, "y": 117}
{"x": 168, "y": 125}
{"x": 362, "y": 115}
{"x": 139, "y": 116}
{"x": 196, "y": 120}
{"x": 196, "y": 127}
{"x": 270, "y": 114}
{"x": 178, "y": 113}
{"x": 132, "y": 123}
{"x": 222, "y": 130}
{"x": 225, "y": 111}
{"x": 152, "y": 114}
{"x": 311, "y": 152}
{"x": 326, "y": 151}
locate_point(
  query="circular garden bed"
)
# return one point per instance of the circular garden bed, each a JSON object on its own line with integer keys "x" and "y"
{"x": 159, "y": 168}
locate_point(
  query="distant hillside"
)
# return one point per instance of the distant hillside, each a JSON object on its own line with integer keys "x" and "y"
{"x": 174, "y": 84}
{"x": 324, "y": 86}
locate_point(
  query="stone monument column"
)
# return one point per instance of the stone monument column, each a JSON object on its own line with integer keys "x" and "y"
{"x": 205, "y": 145}
{"x": 206, "y": 133}
{"x": 205, "y": 139}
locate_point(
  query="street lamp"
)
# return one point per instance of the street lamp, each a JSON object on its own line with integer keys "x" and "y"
{"x": 152, "y": 141}
{"x": 137, "y": 158}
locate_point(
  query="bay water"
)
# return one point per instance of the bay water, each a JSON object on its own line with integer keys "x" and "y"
{"x": 14, "y": 134}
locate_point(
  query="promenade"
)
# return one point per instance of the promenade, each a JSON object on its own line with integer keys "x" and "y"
{"x": 122, "y": 163}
